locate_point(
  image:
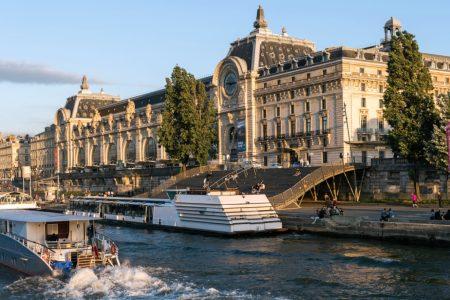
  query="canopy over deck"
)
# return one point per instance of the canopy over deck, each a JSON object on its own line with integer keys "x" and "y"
{"x": 36, "y": 216}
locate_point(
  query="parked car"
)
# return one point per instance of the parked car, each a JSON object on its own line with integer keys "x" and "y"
{"x": 275, "y": 166}
{"x": 250, "y": 163}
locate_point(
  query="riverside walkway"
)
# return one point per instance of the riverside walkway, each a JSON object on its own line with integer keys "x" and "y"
{"x": 409, "y": 224}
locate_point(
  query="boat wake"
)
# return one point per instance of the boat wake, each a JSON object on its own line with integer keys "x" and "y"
{"x": 113, "y": 283}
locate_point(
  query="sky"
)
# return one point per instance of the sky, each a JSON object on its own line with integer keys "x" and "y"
{"x": 129, "y": 47}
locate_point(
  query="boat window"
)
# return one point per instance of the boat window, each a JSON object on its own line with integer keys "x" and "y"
{"x": 55, "y": 231}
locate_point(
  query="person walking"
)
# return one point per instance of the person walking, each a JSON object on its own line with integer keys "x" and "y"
{"x": 327, "y": 200}
{"x": 414, "y": 200}
{"x": 439, "y": 198}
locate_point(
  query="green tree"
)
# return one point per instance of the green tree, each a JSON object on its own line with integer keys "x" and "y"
{"x": 187, "y": 129}
{"x": 436, "y": 150}
{"x": 409, "y": 106}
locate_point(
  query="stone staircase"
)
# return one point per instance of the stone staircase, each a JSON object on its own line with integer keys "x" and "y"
{"x": 275, "y": 180}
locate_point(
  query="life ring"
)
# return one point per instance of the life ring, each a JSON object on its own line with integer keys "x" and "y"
{"x": 45, "y": 255}
{"x": 113, "y": 249}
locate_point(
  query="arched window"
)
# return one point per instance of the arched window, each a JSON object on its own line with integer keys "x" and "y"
{"x": 150, "y": 149}
{"x": 112, "y": 154}
{"x": 81, "y": 157}
{"x": 130, "y": 152}
{"x": 62, "y": 159}
{"x": 96, "y": 155}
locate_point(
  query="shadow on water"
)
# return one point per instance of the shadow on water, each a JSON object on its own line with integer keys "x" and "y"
{"x": 168, "y": 265}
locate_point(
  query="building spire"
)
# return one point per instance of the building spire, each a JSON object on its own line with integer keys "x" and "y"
{"x": 84, "y": 83}
{"x": 260, "y": 21}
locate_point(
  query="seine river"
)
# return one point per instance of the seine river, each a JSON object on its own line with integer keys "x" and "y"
{"x": 165, "y": 265}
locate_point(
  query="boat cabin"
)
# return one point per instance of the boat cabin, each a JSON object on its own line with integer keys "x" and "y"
{"x": 137, "y": 210}
{"x": 57, "y": 232}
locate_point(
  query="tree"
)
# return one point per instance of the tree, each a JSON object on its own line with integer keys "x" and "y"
{"x": 187, "y": 129}
{"x": 409, "y": 106}
{"x": 436, "y": 150}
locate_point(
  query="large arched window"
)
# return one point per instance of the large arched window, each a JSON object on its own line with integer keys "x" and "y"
{"x": 150, "y": 149}
{"x": 130, "y": 151}
{"x": 62, "y": 159}
{"x": 112, "y": 154}
{"x": 81, "y": 157}
{"x": 96, "y": 155}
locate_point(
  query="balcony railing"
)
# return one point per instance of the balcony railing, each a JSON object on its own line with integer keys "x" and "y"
{"x": 364, "y": 130}
{"x": 381, "y": 131}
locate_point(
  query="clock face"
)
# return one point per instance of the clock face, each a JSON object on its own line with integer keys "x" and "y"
{"x": 230, "y": 83}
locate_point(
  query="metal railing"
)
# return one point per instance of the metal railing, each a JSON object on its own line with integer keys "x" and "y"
{"x": 183, "y": 175}
{"x": 229, "y": 176}
{"x": 312, "y": 179}
{"x": 40, "y": 250}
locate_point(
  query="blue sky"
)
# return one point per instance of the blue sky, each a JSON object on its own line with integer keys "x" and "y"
{"x": 129, "y": 47}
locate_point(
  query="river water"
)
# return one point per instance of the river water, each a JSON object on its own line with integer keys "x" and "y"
{"x": 166, "y": 265}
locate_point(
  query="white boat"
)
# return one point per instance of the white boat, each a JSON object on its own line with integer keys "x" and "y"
{"x": 41, "y": 243}
{"x": 223, "y": 212}
{"x": 16, "y": 200}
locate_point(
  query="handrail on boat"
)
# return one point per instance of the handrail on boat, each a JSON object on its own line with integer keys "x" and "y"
{"x": 45, "y": 252}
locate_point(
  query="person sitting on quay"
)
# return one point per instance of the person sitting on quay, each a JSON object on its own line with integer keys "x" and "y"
{"x": 432, "y": 214}
{"x": 390, "y": 214}
{"x": 320, "y": 214}
{"x": 336, "y": 211}
{"x": 385, "y": 215}
{"x": 447, "y": 215}
{"x": 438, "y": 215}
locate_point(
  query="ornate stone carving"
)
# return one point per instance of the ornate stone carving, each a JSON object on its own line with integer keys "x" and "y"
{"x": 230, "y": 117}
{"x": 148, "y": 112}
{"x": 96, "y": 119}
{"x": 80, "y": 127}
{"x": 110, "y": 121}
{"x": 129, "y": 112}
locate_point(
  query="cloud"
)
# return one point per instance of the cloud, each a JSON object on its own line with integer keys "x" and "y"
{"x": 23, "y": 72}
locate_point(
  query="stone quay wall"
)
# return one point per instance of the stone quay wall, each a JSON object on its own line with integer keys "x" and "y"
{"x": 430, "y": 233}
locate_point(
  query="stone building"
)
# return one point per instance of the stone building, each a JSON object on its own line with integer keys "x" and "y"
{"x": 281, "y": 101}
{"x": 42, "y": 151}
{"x": 14, "y": 154}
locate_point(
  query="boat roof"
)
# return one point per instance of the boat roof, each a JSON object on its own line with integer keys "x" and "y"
{"x": 38, "y": 216}
{"x": 122, "y": 200}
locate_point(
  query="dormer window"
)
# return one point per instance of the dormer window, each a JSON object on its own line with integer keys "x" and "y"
{"x": 292, "y": 94}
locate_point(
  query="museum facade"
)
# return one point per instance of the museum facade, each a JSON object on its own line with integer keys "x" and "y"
{"x": 279, "y": 102}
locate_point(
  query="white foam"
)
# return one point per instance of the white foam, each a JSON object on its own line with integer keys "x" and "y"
{"x": 119, "y": 283}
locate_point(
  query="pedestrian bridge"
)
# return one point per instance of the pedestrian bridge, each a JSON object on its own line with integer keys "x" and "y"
{"x": 285, "y": 188}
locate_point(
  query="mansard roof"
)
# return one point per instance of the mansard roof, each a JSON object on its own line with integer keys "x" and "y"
{"x": 140, "y": 101}
{"x": 84, "y": 105}
{"x": 264, "y": 48}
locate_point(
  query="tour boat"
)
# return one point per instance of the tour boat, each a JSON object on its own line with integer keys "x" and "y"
{"x": 222, "y": 212}
{"x": 16, "y": 200}
{"x": 42, "y": 243}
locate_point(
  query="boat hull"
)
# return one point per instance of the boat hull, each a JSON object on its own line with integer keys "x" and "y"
{"x": 16, "y": 256}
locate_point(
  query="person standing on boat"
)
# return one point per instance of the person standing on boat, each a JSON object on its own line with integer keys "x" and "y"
{"x": 90, "y": 232}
